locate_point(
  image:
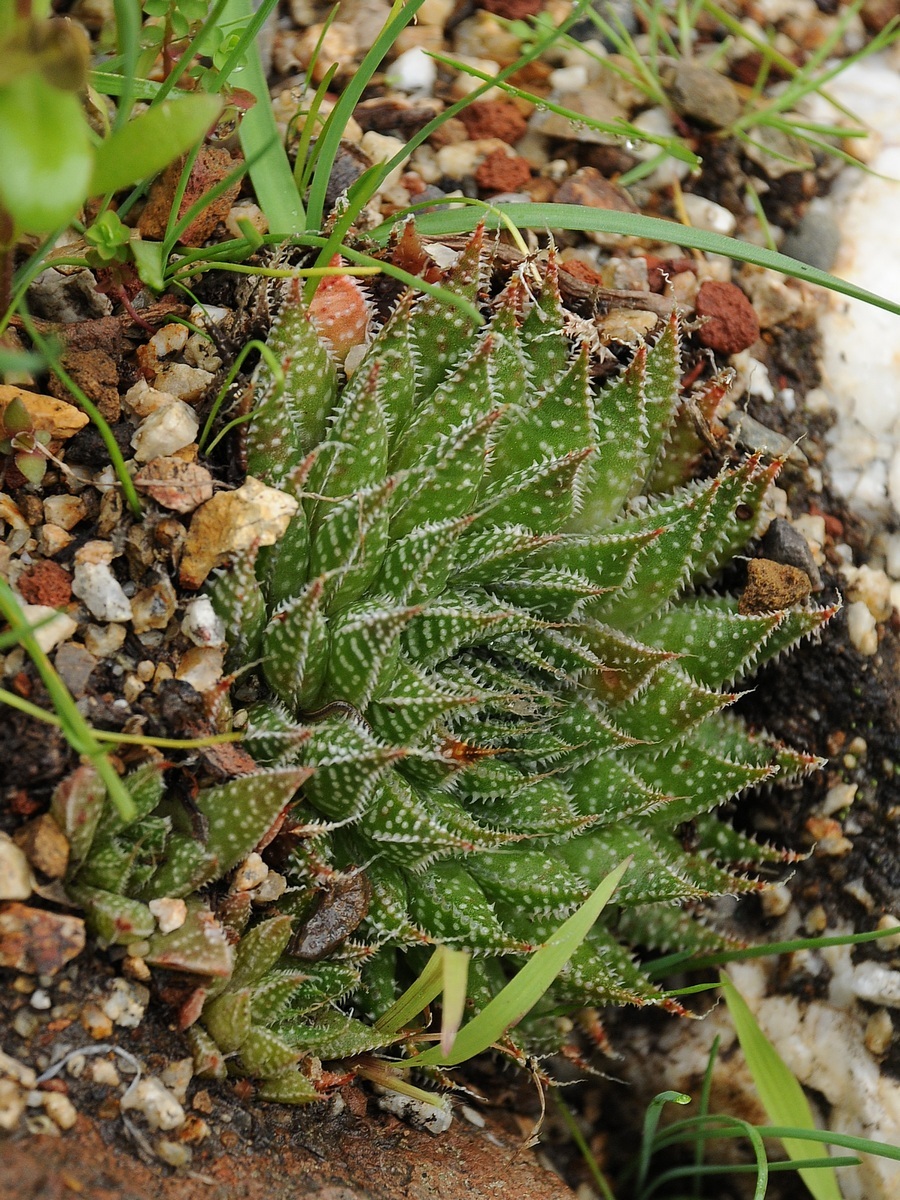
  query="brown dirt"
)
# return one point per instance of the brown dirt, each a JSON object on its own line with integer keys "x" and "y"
{"x": 292, "y": 1155}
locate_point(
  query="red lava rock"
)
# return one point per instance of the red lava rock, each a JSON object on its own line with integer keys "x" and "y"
{"x": 211, "y": 167}
{"x": 502, "y": 172}
{"x": 732, "y": 323}
{"x": 36, "y": 941}
{"x": 513, "y": 10}
{"x": 582, "y": 270}
{"x": 95, "y": 372}
{"x": 588, "y": 186}
{"x": 46, "y": 583}
{"x": 494, "y": 119}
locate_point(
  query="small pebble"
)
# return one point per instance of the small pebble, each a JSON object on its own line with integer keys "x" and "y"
{"x": 55, "y": 626}
{"x": 413, "y": 71}
{"x": 877, "y": 984}
{"x": 202, "y": 667}
{"x": 776, "y": 900}
{"x": 704, "y": 214}
{"x": 59, "y": 1109}
{"x": 26, "y": 1023}
{"x": 165, "y": 431}
{"x": 40, "y": 1000}
{"x": 76, "y": 1065}
{"x": 202, "y": 624}
{"x": 176, "y": 1077}
{"x": 15, "y": 874}
{"x": 891, "y": 943}
{"x": 155, "y": 1102}
{"x": 126, "y": 1002}
{"x": 879, "y": 1032}
{"x": 96, "y": 586}
{"x": 170, "y": 914}
{"x": 861, "y": 628}
{"x": 185, "y": 383}
{"x": 250, "y": 874}
{"x": 95, "y": 1022}
{"x": 838, "y": 797}
{"x": 104, "y": 1072}
{"x": 176, "y": 1154}
{"x": 12, "y": 1104}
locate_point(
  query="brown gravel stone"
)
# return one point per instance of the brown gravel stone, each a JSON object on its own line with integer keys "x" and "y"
{"x": 211, "y": 167}
{"x": 876, "y": 14}
{"x": 587, "y": 186}
{"x": 494, "y": 118}
{"x": 96, "y": 373}
{"x": 38, "y": 942}
{"x": 502, "y": 172}
{"x": 46, "y": 583}
{"x": 772, "y": 586}
{"x": 732, "y": 323}
{"x": 44, "y": 845}
{"x": 513, "y": 10}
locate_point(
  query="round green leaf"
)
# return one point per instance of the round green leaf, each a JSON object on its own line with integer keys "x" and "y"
{"x": 151, "y": 141}
{"x": 47, "y": 154}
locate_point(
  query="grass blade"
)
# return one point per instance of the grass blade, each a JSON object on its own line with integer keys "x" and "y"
{"x": 779, "y": 1089}
{"x": 524, "y": 990}
{"x": 595, "y": 220}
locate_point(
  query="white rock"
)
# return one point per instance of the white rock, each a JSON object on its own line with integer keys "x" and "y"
{"x": 272, "y": 888}
{"x": 64, "y": 511}
{"x": 176, "y": 1077}
{"x": 101, "y": 593}
{"x": 155, "y": 1102}
{"x": 60, "y": 1109}
{"x": 126, "y": 1002}
{"x": 861, "y": 628}
{"x": 141, "y": 399}
{"x": 889, "y": 921}
{"x": 776, "y": 900}
{"x": 858, "y": 341}
{"x": 201, "y": 623}
{"x": 104, "y": 1072}
{"x": 568, "y": 79}
{"x": 704, "y": 214}
{"x": 840, "y": 796}
{"x": 12, "y": 1104}
{"x": 249, "y": 874}
{"x": 434, "y": 1118}
{"x": 169, "y": 340}
{"x": 166, "y": 430}
{"x": 11, "y": 1068}
{"x": 656, "y": 121}
{"x": 170, "y": 913}
{"x": 413, "y": 71}
{"x": 873, "y": 588}
{"x": 877, "y": 984}
{"x": 201, "y": 667}
{"x": 54, "y": 626}
{"x": 465, "y": 83}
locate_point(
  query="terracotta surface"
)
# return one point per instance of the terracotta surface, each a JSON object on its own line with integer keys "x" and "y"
{"x": 299, "y": 1155}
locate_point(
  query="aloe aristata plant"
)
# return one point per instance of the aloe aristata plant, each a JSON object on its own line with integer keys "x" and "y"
{"x": 480, "y": 635}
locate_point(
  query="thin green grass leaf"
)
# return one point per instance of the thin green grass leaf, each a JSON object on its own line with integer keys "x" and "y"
{"x": 149, "y": 142}
{"x": 584, "y": 1149}
{"x": 685, "y": 961}
{"x": 273, "y": 180}
{"x": 556, "y": 216}
{"x": 417, "y": 996}
{"x": 453, "y": 998}
{"x": 779, "y": 1089}
{"x": 524, "y": 990}
{"x": 78, "y": 733}
{"x": 400, "y": 16}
